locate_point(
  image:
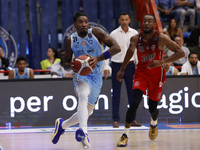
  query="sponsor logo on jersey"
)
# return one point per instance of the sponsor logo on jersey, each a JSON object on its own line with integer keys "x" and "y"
{"x": 9, "y": 46}
{"x": 79, "y": 52}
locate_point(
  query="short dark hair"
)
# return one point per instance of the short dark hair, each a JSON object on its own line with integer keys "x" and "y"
{"x": 192, "y": 53}
{"x": 152, "y": 16}
{"x": 123, "y": 13}
{"x": 21, "y": 58}
{"x": 78, "y": 14}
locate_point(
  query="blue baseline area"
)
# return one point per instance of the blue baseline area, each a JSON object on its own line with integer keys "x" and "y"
{"x": 95, "y": 128}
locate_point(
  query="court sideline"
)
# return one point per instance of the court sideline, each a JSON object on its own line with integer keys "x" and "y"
{"x": 170, "y": 137}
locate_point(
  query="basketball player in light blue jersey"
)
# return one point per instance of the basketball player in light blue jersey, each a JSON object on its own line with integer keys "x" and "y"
{"x": 21, "y": 72}
{"x": 89, "y": 42}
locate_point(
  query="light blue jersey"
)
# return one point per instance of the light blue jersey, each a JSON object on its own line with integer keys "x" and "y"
{"x": 170, "y": 72}
{"x": 24, "y": 76}
{"x": 89, "y": 45}
{"x": 195, "y": 71}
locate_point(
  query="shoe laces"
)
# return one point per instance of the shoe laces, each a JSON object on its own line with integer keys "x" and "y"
{"x": 153, "y": 129}
{"x": 123, "y": 137}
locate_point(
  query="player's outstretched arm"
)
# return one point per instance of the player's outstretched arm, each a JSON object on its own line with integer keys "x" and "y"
{"x": 68, "y": 54}
{"x": 129, "y": 55}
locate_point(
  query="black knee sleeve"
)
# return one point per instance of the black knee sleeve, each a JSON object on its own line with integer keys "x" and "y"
{"x": 153, "y": 109}
{"x": 131, "y": 112}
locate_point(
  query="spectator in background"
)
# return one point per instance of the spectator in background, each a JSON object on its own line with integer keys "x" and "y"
{"x": 122, "y": 35}
{"x": 169, "y": 69}
{"x": 57, "y": 69}
{"x": 196, "y": 49}
{"x": 165, "y": 8}
{"x": 173, "y": 30}
{"x": 4, "y": 62}
{"x": 198, "y": 12}
{"x": 52, "y": 55}
{"x": 186, "y": 8}
{"x": 192, "y": 66}
{"x": 182, "y": 60}
{"x": 21, "y": 72}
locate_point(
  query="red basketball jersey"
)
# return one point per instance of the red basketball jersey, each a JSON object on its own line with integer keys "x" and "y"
{"x": 146, "y": 52}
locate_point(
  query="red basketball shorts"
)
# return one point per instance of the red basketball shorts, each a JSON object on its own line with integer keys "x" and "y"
{"x": 154, "y": 89}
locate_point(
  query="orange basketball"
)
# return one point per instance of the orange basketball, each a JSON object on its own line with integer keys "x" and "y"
{"x": 82, "y": 66}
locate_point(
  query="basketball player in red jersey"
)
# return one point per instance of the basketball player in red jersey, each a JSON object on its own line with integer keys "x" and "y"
{"x": 149, "y": 74}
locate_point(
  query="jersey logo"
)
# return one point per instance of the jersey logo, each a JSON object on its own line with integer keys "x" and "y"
{"x": 90, "y": 41}
{"x": 83, "y": 43}
{"x": 141, "y": 48}
{"x": 153, "y": 47}
{"x": 136, "y": 84}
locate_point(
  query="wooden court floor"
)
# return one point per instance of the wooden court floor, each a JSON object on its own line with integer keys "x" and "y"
{"x": 168, "y": 139}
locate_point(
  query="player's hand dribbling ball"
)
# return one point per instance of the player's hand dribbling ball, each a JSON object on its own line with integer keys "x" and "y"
{"x": 81, "y": 65}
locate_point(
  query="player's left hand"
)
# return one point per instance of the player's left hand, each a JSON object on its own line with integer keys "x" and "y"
{"x": 154, "y": 63}
{"x": 92, "y": 61}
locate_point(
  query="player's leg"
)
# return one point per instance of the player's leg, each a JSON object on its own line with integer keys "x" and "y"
{"x": 154, "y": 119}
{"x": 60, "y": 124}
{"x": 155, "y": 92}
{"x": 116, "y": 86}
{"x": 130, "y": 115}
{"x": 83, "y": 92}
{"x": 128, "y": 78}
{"x": 81, "y": 134}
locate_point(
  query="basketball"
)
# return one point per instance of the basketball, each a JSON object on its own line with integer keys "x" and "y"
{"x": 82, "y": 66}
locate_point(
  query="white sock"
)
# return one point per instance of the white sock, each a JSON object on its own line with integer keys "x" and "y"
{"x": 126, "y": 131}
{"x": 74, "y": 118}
{"x": 154, "y": 123}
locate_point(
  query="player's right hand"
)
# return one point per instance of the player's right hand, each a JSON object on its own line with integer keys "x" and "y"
{"x": 120, "y": 74}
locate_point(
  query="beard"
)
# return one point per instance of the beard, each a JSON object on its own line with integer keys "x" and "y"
{"x": 83, "y": 32}
{"x": 193, "y": 63}
{"x": 149, "y": 31}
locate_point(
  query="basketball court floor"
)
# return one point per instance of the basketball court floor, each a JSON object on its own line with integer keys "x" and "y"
{"x": 170, "y": 137}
